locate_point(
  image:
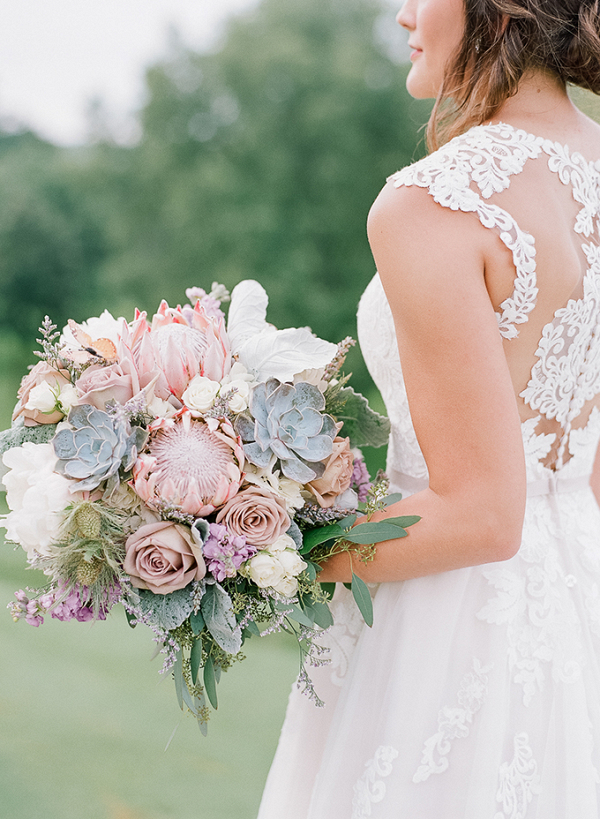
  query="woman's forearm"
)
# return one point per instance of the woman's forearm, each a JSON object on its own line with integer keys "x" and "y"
{"x": 454, "y": 532}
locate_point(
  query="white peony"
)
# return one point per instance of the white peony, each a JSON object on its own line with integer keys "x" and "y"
{"x": 201, "y": 393}
{"x": 36, "y": 495}
{"x": 103, "y": 326}
{"x": 265, "y": 570}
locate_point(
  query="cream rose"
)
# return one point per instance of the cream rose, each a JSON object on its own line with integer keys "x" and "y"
{"x": 291, "y": 562}
{"x": 162, "y": 557}
{"x": 287, "y": 586}
{"x": 257, "y": 515}
{"x": 200, "y": 394}
{"x": 50, "y": 381}
{"x": 265, "y": 570}
{"x": 337, "y": 476}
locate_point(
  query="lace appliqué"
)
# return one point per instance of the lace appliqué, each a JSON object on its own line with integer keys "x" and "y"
{"x": 487, "y": 156}
{"x": 341, "y": 638}
{"x": 370, "y": 789}
{"x": 519, "y": 781}
{"x": 454, "y": 723}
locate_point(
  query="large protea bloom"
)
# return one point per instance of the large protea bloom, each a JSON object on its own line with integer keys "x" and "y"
{"x": 186, "y": 345}
{"x": 188, "y": 465}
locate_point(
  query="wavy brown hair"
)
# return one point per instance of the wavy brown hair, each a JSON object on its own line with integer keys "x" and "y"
{"x": 503, "y": 39}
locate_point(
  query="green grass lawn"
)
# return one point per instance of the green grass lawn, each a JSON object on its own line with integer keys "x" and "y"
{"x": 85, "y": 718}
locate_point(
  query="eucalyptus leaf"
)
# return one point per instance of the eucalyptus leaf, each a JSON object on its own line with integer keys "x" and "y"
{"x": 362, "y": 425}
{"x": 196, "y": 659}
{"x": 217, "y": 610}
{"x": 296, "y": 614}
{"x": 375, "y": 532}
{"x": 217, "y": 673}
{"x": 348, "y": 521}
{"x": 253, "y": 628}
{"x": 196, "y": 621}
{"x": 394, "y": 497}
{"x": 210, "y": 683}
{"x": 178, "y": 677}
{"x": 314, "y": 537}
{"x": 360, "y": 592}
{"x": 131, "y": 619}
{"x": 404, "y": 521}
{"x": 312, "y": 569}
{"x": 322, "y": 614}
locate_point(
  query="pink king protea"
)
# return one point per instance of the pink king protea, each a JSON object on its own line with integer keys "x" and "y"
{"x": 192, "y": 466}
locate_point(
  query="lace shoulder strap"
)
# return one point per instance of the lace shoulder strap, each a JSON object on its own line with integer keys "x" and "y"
{"x": 462, "y": 175}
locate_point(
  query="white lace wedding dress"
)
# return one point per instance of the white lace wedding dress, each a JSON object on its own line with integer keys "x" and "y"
{"x": 476, "y": 694}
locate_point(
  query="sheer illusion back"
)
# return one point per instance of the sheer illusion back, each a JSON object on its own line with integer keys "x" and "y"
{"x": 476, "y": 694}
{"x": 527, "y": 190}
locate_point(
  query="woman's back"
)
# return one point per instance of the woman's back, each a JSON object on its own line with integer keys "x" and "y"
{"x": 538, "y": 203}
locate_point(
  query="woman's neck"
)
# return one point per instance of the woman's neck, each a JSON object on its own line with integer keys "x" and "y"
{"x": 540, "y": 106}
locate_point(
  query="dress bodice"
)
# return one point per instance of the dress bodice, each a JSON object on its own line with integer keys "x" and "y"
{"x": 564, "y": 384}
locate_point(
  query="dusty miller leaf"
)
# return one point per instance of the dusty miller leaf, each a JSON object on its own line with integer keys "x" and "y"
{"x": 217, "y": 611}
{"x": 362, "y": 425}
{"x": 167, "y": 610}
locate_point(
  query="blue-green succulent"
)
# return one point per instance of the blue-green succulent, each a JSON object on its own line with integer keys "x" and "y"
{"x": 288, "y": 423}
{"x": 96, "y": 448}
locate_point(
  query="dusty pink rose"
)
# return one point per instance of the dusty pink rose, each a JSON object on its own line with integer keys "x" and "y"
{"x": 162, "y": 558}
{"x": 256, "y": 514}
{"x": 100, "y": 384}
{"x": 337, "y": 476}
{"x": 42, "y": 372}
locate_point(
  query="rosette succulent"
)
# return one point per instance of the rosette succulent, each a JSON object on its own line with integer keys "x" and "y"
{"x": 288, "y": 423}
{"x": 95, "y": 448}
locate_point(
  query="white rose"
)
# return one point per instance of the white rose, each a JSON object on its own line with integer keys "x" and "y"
{"x": 67, "y": 398}
{"x": 283, "y": 542}
{"x": 36, "y": 495}
{"x": 265, "y": 570}
{"x": 288, "y": 586}
{"x": 201, "y": 393}
{"x": 42, "y": 398}
{"x": 291, "y": 562}
{"x": 237, "y": 394}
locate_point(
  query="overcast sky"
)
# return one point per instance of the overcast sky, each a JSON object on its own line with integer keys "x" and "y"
{"x": 55, "y": 55}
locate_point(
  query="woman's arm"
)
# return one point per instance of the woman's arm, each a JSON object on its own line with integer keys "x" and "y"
{"x": 432, "y": 261}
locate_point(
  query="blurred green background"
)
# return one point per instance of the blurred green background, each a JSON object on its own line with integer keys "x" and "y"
{"x": 258, "y": 160}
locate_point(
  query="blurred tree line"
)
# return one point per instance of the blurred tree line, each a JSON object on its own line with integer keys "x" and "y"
{"x": 257, "y": 160}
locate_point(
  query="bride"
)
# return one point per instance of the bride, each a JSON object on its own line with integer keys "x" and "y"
{"x": 476, "y": 694}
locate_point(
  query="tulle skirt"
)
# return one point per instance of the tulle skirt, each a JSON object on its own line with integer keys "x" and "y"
{"x": 476, "y": 694}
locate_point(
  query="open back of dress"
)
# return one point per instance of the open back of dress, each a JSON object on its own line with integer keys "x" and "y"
{"x": 476, "y": 695}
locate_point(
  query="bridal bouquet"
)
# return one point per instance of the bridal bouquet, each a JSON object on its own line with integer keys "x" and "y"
{"x": 194, "y": 470}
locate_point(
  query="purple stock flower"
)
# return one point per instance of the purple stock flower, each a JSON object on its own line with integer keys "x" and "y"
{"x": 360, "y": 479}
{"x": 225, "y": 552}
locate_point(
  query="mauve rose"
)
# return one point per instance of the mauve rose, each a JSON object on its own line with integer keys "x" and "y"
{"x": 162, "y": 557}
{"x": 42, "y": 372}
{"x": 337, "y": 476}
{"x": 100, "y": 384}
{"x": 256, "y": 514}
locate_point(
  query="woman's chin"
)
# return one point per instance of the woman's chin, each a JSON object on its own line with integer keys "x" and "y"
{"x": 418, "y": 86}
